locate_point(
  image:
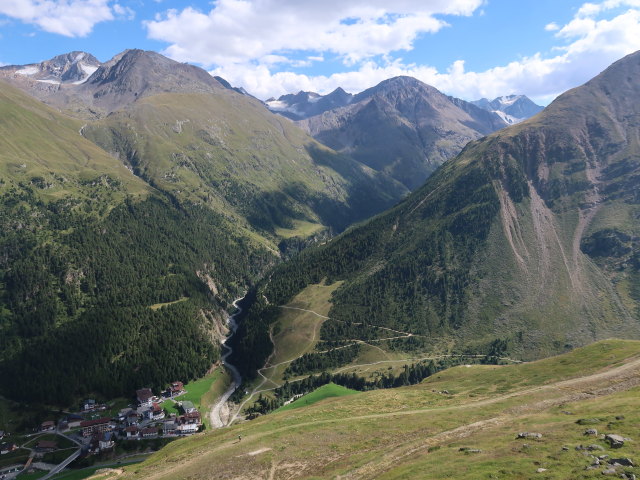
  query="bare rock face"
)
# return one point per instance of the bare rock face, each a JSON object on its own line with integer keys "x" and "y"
{"x": 134, "y": 74}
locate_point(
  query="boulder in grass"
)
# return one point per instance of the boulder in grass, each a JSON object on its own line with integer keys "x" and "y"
{"x": 529, "y": 435}
{"x": 616, "y": 441}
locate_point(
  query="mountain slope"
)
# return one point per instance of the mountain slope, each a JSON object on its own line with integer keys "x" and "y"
{"x": 182, "y": 197}
{"x": 402, "y": 127}
{"x": 462, "y": 422}
{"x": 528, "y": 237}
{"x": 228, "y": 152}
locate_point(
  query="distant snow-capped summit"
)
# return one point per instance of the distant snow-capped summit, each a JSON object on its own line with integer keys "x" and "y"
{"x": 69, "y": 68}
{"x": 511, "y": 108}
{"x": 307, "y": 104}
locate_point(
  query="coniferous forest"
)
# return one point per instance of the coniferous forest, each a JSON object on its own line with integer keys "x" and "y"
{"x": 78, "y": 287}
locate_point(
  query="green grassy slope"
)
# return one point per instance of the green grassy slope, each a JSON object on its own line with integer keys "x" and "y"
{"x": 329, "y": 390}
{"x": 419, "y": 431}
{"x": 230, "y": 153}
{"x": 44, "y": 149}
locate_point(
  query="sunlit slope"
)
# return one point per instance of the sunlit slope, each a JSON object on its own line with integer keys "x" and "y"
{"x": 43, "y": 148}
{"x": 418, "y": 431}
{"x": 229, "y": 152}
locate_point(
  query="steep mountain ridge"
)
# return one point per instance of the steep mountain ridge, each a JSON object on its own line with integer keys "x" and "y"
{"x": 402, "y": 127}
{"x": 135, "y": 74}
{"x": 529, "y": 237}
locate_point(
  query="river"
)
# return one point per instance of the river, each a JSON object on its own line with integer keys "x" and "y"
{"x": 215, "y": 418}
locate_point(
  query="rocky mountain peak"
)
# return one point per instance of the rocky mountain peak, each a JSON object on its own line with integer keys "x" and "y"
{"x": 135, "y": 73}
{"x": 69, "y": 68}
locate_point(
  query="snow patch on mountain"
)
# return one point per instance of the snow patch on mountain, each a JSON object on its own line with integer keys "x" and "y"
{"x": 508, "y": 118}
{"x": 29, "y": 70}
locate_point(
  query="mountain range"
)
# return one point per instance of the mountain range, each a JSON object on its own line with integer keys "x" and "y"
{"x": 144, "y": 191}
{"x": 143, "y": 195}
{"x": 401, "y": 126}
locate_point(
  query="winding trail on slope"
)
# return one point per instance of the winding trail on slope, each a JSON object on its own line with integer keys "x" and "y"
{"x": 214, "y": 416}
{"x": 258, "y": 389}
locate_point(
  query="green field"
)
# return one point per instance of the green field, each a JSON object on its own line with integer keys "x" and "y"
{"x": 295, "y": 333}
{"x": 156, "y": 306}
{"x": 301, "y": 228}
{"x": 419, "y": 431}
{"x": 62, "y": 442}
{"x": 202, "y": 392}
{"x": 326, "y": 391}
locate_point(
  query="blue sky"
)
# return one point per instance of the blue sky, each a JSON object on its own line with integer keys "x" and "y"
{"x": 466, "y": 48}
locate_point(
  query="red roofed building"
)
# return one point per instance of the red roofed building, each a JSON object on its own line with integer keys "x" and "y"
{"x": 176, "y": 388}
{"x": 157, "y": 413}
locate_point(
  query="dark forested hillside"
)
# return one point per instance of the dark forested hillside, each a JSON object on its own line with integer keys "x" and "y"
{"x": 77, "y": 316}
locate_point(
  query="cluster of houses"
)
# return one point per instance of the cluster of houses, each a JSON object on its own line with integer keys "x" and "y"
{"x": 146, "y": 419}
{"x": 6, "y": 447}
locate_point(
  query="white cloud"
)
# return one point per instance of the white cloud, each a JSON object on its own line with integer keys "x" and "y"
{"x": 237, "y": 31}
{"x": 247, "y": 42}
{"x": 124, "y": 12}
{"x": 71, "y": 18}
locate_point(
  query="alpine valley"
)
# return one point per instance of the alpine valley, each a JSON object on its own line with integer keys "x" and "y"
{"x": 404, "y": 261}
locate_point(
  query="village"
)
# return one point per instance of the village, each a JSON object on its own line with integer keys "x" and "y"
{"x": 95, "y": 430}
